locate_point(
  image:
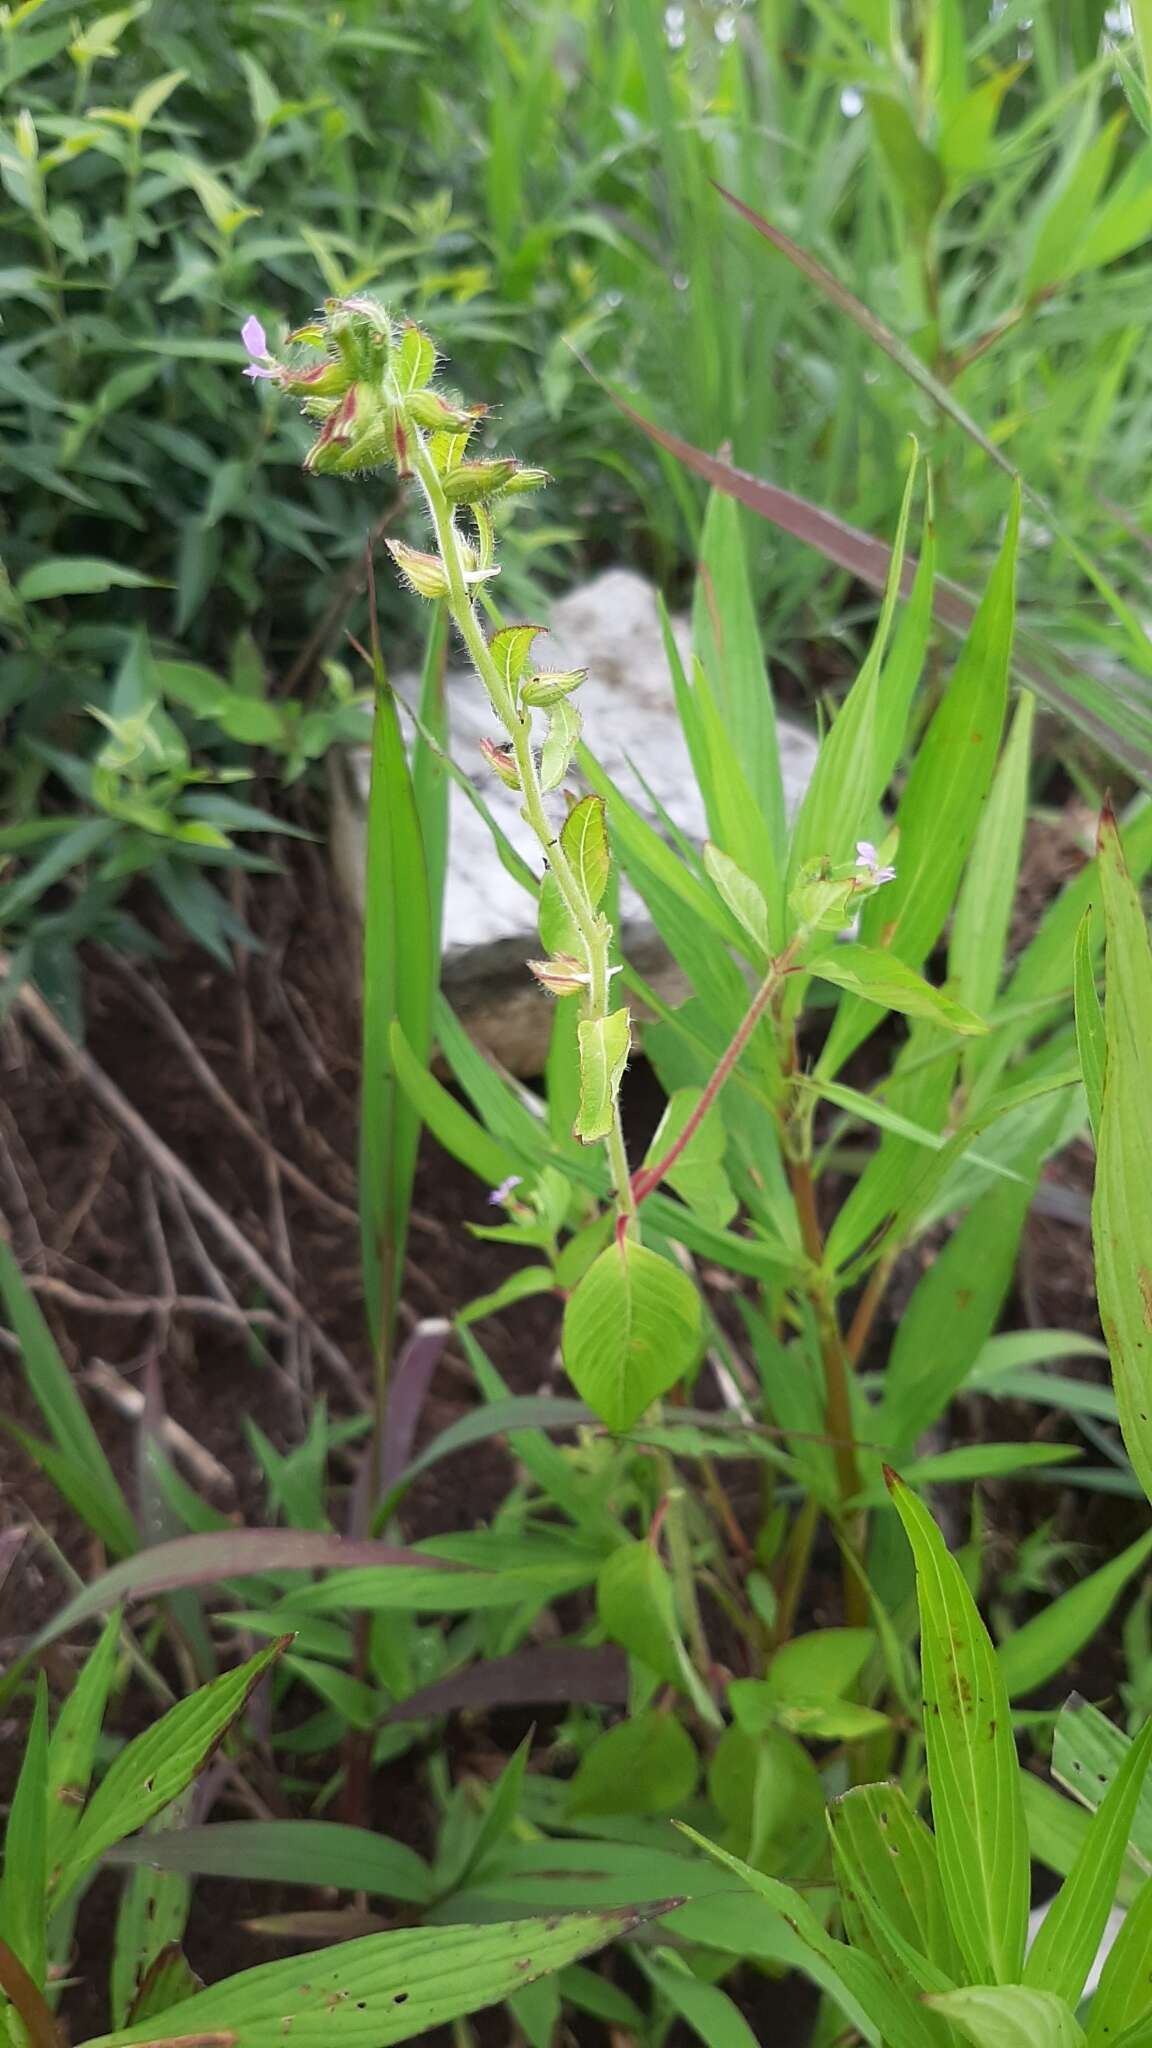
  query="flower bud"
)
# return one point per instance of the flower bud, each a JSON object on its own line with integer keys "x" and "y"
{"x": 525, "y": 480}
{"x": 435, "y": 414}
{"x": 500, "y": 761}
{"x": 423, "y": 573}
{"x": 550, "y": 685}
{"x": 562, "y": 976}
{"x": 471, "y": 482}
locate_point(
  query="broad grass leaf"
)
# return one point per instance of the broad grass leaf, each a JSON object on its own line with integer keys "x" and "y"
{"x": 882, "y": 978}
{"x": 632, "y": 1329}
{"x": 81, "y": 1460}
{"x": 880, "y": 2009}
{"x": 1046, "y": 1644}
{"x": 996, "y": 2016}
{"x": 1122, "y": 1201}
{"x": 385, "y": 1987}
{"x": 889, "y": 1877}
{"x": 1066, "y": 1946}
{"x": 977, "y": 1812}
{"x": 955, "y": 1307}
{"x": 309, "y": 1852}
{"x": 156, "y": 1766}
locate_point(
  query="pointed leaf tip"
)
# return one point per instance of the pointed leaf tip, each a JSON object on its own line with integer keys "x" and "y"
{"x": 891, "y": 1478}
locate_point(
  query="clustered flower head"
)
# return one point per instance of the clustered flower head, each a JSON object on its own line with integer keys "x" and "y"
{"x": 370, "y": 389}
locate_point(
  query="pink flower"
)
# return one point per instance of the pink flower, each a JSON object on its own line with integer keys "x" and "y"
{"x": 867, "y": 861}
{"x": 499, "y": 1196}
{"x": 256, "y": 342}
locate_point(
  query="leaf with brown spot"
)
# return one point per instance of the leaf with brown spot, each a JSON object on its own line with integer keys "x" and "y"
{"x": 383, "y": 1987}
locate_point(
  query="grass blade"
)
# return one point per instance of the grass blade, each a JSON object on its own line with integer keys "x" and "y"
{"x": 81, "y": 1463}
{"x": 977, "y": 1812}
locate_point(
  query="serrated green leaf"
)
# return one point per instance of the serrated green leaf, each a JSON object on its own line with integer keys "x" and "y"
{"x": 604, "y": 1045}
{"x": 632, "y": 1329}
{"x": 977, "y": 1812}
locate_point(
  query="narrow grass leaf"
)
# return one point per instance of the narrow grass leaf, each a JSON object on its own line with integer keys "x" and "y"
{"x": 1122, "y": 1200}
{"x": 308, "y": 1852}
{"x": 1046, "y": 1645}
{"x": 1091, "y": 1037}
{"x": 72, "y": 1750}
{"x": 882, "y": 978}
{"x": 1123, "y": 1998}
{"x": 24, "y": 1885}
{"x": 156, "y": 1766}
{"x": 399, "y": 977}
{"x": 1066, "y": 1946}
{"x": 977, "y": 1812}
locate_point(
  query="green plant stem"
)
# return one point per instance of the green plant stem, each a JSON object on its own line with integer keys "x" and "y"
{"x": 683, "y": 1575}
{"x": 649, "y": 1177}
{"x": 837, "y": 1395}
{"x": 594, "y": 931}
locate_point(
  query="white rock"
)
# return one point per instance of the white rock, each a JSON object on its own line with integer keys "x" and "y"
{"x": 611, "y": 627}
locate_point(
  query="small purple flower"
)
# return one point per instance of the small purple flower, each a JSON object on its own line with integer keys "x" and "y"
{"x": 256, "y": 342}
{"x": 499, "y": 1196}
{"x": 867, "y": 861}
